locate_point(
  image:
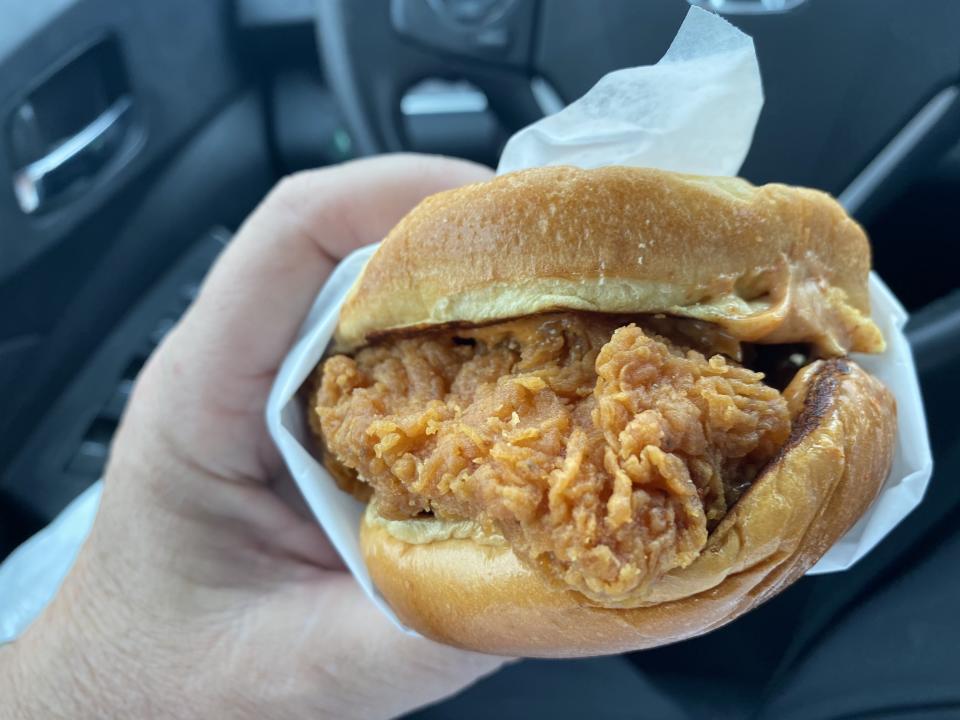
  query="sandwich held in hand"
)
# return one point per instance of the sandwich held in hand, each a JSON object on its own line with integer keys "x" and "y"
{"x": 602, "y": 410}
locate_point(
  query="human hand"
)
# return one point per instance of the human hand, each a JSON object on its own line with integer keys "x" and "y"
{"x": 204, "y": 590}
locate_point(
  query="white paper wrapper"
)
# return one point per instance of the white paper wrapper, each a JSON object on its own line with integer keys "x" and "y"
{"x": 912, "y": 459}
{"x": 338, "y": 513}
{"x": 695, "y": 111}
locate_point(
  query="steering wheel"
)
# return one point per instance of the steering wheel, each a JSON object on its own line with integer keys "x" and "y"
{"x": 372, "y": 52}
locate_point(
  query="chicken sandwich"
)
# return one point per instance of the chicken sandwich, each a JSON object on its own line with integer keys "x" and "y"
{"x": 600, "y": 410}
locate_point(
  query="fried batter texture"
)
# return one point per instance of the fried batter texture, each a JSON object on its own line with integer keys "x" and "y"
{"x": 603, "y": 449}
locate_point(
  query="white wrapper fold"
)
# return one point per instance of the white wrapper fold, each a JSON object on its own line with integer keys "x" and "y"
{"x": 694, "y": 111}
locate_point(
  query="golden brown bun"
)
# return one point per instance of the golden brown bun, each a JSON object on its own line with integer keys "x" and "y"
{"x": 479, "y": 596}
{"x": 770, "y": 264}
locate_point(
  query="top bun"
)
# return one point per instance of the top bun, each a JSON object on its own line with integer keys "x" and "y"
{"x": 770, "y": 264}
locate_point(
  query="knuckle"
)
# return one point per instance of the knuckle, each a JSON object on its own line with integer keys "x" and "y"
{"x": 291, "y": 186}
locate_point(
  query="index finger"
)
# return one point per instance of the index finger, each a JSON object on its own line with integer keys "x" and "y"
{"x": 259, "y": 291}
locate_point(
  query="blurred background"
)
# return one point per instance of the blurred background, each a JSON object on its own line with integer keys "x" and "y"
{"x": 136, "y": 135}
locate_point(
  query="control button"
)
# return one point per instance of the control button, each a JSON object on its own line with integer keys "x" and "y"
{"x": 118, "y": 400}
{"x": 90, "y": 459}
{"x": 187, "y": 295}
{"x": 91, "y": 456}
{"x": 472, "y": 12}
{"x": 160, "y": 331}
{"x": 493, "y": 30}
{"x": 134, "y": 367}
{"x": 748, "y": 7}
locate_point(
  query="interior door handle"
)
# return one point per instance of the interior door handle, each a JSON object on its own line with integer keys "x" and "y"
{"x": 81, "y": 156}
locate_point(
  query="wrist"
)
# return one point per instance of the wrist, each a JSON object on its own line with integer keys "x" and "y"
{"x": 12, "y": 683}
{"x": 43, "y": 674}
{"x": 82, "y": 658}
{"x": 33, "y": 686}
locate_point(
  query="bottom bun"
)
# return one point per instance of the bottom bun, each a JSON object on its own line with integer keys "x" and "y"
{"x": 478, "y": 595}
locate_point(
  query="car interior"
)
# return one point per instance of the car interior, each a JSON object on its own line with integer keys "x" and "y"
{"x": 135, "y": 136}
